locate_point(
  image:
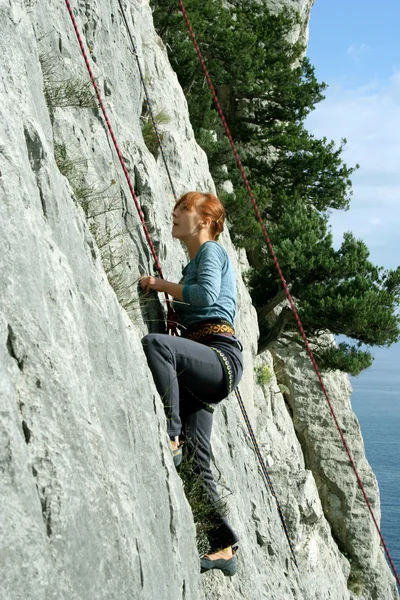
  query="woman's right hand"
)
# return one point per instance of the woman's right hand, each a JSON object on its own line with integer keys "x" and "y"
{"x": 157, "y": 284}
{"x": 148, "y": 283}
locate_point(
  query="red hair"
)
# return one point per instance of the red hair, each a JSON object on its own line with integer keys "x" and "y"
{"x": 206, "y": 205}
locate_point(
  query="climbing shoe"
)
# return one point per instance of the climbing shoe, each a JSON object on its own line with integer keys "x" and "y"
{"x": 177, "y": 456}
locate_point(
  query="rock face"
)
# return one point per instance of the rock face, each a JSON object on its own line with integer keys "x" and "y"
{"x": 92, "y": 506}
{"x": 342, "y": 501}
{"x": 302, "y": 7}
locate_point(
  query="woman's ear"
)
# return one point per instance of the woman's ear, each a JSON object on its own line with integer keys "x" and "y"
{"x": 206, "y": 222}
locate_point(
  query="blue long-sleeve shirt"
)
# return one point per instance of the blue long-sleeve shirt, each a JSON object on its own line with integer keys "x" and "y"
{"x": 209, "y": 287}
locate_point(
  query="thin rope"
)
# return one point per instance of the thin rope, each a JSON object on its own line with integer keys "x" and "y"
{"x": 246, "y": 418}
{"x": 149, "y": 105}
{"x": 171, "y": 323}
{"x": 285, "y": 286}
{"x": 264, "y": 470}
{"x": 238, "y": 395}
{"x": 172, "y": 318}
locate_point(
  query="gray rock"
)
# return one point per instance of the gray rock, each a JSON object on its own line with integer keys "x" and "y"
{"x": 92, "y": 505}
{"x": 342, "y": 501}
{"x": 302, "y": 7}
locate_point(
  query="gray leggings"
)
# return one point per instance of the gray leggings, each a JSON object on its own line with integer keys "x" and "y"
{"x": 191, "y": 380}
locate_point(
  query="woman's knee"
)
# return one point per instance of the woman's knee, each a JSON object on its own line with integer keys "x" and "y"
{"x": 154, "y": 344}
{"x": 150, "y": 341}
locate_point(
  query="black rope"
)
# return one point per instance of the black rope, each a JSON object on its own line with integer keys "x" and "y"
{"x": 149, "y": 106}
{"x": 265, "y": 472}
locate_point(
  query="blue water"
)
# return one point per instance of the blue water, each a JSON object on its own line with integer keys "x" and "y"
{"x": 376, "y": 402}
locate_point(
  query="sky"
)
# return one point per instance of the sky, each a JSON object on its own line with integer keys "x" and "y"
{"x": 354, "y": 47}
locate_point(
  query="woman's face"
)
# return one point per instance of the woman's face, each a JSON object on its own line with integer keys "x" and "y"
{"x": 186, "y": 222}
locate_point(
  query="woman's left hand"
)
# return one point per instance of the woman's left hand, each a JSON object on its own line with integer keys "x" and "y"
{"x": 149, "y": 283}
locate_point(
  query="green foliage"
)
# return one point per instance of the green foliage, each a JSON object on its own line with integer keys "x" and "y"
{"x": 283, "y": 389}
{"x": 219, "y": 153}
{"x": 345, "y": 357}
{"x": 267, "y": 88}
{"x": 94, "y": 199}
{"x": 356, "y": 582}
{"x": 97, "y": 201}
{"x": 265, "y": 85}
{"x": 263, "y": 375}
{"x": 148, "y": 132}
{"x": 204, "y": 512}
{"x": 73, "y": 91}
{"x": 339, "y": 290}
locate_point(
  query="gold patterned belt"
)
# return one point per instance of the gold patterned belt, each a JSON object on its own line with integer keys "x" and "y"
{"x": 199, "y": 331}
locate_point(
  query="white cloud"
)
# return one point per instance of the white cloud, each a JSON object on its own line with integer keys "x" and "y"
{"x": 369, "y": 118}
{"x": 357, "y": 51}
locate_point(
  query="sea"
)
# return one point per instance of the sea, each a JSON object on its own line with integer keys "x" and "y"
{"x": 376, "y": 402}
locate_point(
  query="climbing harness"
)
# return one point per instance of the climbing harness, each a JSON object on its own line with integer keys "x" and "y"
{"x": 285, "y": 286}
{"x": 200, "y": 331}
{"x": 171, "y": 318}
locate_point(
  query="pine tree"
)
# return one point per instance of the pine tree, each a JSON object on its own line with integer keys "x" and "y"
{"x": 267, "y": 88}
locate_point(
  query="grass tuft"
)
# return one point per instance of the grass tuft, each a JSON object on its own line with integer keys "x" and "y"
{"x": 94, "y": 199}
{"x": 71, "y": 92}
{"x": 204, "y": 512}
{"x": 263, "y": 375}
{"x": 149, "y": 135}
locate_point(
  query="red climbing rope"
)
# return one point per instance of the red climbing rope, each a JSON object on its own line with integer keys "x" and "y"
{"x": 171, "y": 321}
{"x": 285, "y": 286}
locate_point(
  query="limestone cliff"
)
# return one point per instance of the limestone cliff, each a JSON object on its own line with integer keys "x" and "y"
{"x": 92, "y": 507}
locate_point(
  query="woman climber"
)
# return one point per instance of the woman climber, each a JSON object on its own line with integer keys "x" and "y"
{"x": 194, "y": 372}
